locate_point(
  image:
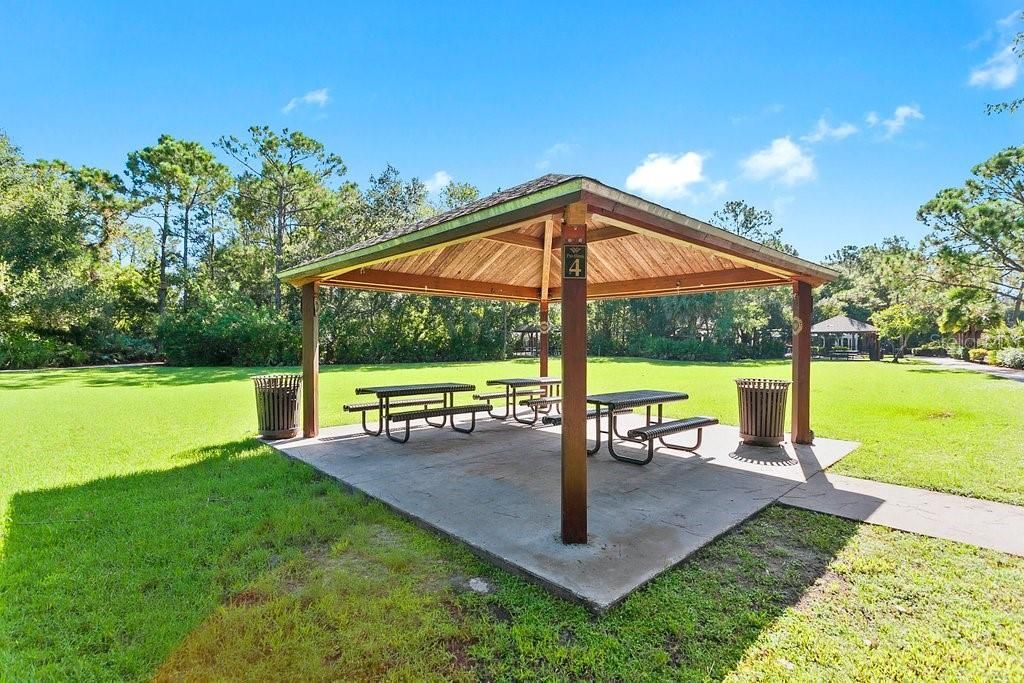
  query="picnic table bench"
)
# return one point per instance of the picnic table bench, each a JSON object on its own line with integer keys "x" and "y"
{"x": 401, "y": 395}
{"x": 615, "y": 403}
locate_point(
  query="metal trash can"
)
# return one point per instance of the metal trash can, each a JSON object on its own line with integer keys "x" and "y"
{"x": 277, "y": 405}
{"x": 762, "y": 410}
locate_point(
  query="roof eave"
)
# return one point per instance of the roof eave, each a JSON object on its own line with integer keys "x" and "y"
{"x": 508, "y": 212}
{"x": 801, "y": 269}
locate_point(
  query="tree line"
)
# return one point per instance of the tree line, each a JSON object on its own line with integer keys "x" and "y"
{"x": 175, "y": 257}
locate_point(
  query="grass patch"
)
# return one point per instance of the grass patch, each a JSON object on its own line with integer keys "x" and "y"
{"x": 146, "y": 534}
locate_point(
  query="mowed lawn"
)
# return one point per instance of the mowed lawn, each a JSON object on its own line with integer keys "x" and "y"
{"x": 146, "y": 533}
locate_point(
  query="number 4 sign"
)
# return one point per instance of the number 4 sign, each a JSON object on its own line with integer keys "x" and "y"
{"x": 574, "y": 262}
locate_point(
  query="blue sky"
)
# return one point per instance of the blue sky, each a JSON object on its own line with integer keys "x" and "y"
{"x": 843, "y": 123}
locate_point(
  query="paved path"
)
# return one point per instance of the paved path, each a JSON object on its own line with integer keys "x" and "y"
{"x": 968, "y": 520}
{"x": 955, "y": 364}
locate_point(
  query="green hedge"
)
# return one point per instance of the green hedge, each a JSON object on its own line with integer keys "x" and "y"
{"x": 235, "y": 332}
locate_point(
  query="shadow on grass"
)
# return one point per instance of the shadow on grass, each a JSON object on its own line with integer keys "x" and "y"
{"x": 107, "y": 579}
{"x": 1007, "y": 376}
{"x": 101, "y": 580}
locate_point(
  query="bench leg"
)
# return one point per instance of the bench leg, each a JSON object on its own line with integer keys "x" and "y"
{"x": 613, "y": 432}
{"x": 632, "y": 461}
{"x": 387, "y": 429}
{"x": 380, "y": 420}
{"x": 472, "y": 425}
{"x": 689, "y": 449}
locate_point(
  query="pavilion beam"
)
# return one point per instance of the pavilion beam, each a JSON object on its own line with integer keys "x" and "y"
{"x": 431, "y": 285}
{"x": 802, "y": 309}
{"x": 574, "y": 385}
{"x": 545, "y": 286}
{"x": 310, "y": 361}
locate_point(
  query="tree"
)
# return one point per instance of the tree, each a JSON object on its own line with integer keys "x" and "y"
{"x": 897, "y": 323}
{"x": 454, "y": 195}
{"x": 967, "y": 312}
{"x": 285, "y": 185}
{"x": 154, "y": 177}
{"x": 200, "y": 180}
{"x": 977, "y": 230}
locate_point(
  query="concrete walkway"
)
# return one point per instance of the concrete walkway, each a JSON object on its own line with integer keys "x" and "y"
{"x": 956, "y": 364}
{"x": 941, "y": 515}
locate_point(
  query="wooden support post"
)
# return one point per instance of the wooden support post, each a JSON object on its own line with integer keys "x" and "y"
{"x": 801, "y": 421}
{"x": 310, "y": 361}
{"x": 545, "y": 286}
{"x": 574, "y": 378}
{"x": 544, "y": 328}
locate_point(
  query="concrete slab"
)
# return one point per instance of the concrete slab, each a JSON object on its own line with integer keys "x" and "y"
{"x": 941, "y": 515}
{"x": 498, "y": 489}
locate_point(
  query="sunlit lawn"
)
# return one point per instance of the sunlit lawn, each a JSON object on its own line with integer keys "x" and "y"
{"x": 147, "y": 534}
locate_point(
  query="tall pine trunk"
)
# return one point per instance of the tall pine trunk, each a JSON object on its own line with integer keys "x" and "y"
{"x": 279, "y": 247}
{"x": 165, "y": 233}
{"x": 186, "y": 229}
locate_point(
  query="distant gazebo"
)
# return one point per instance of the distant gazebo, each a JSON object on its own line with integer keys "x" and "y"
{"x": 845, "y": 337}
{"x": 530, "y": 338}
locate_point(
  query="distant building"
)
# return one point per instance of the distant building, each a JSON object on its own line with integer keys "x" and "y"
{"x": 845, "y": 337}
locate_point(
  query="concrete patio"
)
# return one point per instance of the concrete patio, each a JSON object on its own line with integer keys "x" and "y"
{"x": 497, "y": 490}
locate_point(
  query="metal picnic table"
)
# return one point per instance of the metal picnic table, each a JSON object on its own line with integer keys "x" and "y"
{"x": 384, "y": 394}
{"x": 552, "y": 387}
{"x": 626, "y": 400}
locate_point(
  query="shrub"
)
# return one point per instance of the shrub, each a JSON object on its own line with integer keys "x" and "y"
{"x": 977, "y": 355}
{"x": 1002, "y": 337}
{"x": 1011, "y": 358}
{"x": 667, "y": 348}
{"x": 991, "y": 357}
{"x": 20, "y": 350}
{"x": 232, "y": 332}
{"x": 929, "y": 351}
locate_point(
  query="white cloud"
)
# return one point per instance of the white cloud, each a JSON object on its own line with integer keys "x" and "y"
{"x": 555, "y": 152}
{"x": 318, "y": 98}
{"x": 437, "y": 182}
{"x": 1002, "y": 69}
{"x": 664, "y": 176}
{"x": 823, "y": 130}
{"x": 999, "y": 72}
{"x": 783, "y": 160}
{"x": 897, "y": 122}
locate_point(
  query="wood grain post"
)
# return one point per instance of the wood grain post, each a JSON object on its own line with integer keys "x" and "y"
{"x": 574, "y": 386}
{"x": 310, "y": 361}
{"x": 801, "y": 421}
{"x": 544, "y": 326}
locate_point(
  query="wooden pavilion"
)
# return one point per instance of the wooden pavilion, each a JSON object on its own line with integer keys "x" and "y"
{"x": 567, "y": 239}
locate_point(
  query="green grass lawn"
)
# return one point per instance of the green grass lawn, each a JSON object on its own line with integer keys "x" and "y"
{"x": 147, "y": 534}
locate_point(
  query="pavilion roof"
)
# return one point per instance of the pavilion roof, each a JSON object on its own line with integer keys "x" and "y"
{"x": 842, "y": 324}
{"x": 507, "y": 246}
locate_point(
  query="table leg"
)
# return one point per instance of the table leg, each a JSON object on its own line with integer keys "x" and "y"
{"x": 515, "y": 401}
{"x": 597, "y": 435}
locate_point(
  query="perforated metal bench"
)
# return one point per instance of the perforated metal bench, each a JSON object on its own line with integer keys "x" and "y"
{"x": 367, "y": 406}
{"x": 659, "y": 430}
{"x": 541, "y": 402}
{"x": 556, "y": 420}
{"x": 491, "y": 395}
{"x": 427, "y": 413}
